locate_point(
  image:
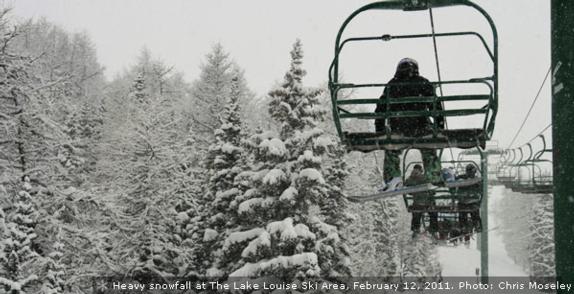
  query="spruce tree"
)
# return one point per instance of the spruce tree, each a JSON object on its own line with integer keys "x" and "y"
{"x": 209, "y": 93}
{"x": 54, "y": 281}
{"x": 284, "y": 229}
{"x": 226, "y": 159}
{"x": 19, "y": 258}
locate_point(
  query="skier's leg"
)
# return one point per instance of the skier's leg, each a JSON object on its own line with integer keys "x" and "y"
{"x": 431, "y": 162}
{"x": 476, "y": 221}
{"x": 392, "y": 164}
{"x": 416, "y": 221}
{"x": 463, "y": 217}
{"x": 433, "y": 226}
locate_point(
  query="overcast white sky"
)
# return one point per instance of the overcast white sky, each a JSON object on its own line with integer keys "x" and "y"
{"x": 259, "y": 33}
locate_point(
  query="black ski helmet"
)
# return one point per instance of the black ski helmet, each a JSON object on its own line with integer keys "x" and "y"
{"x": 417, "y": 170}
{"x": 407, "y": 67}
{"x": 471, "y": 169}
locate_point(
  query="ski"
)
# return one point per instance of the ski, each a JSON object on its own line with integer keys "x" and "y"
{"x": 414, "y": 189}
{"x": 450, "y": 240}
{"x": 463, "y": 183}
{"x": 400, "y": 191}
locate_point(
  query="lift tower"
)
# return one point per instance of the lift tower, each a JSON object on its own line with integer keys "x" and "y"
{"x": 562, "y": 42}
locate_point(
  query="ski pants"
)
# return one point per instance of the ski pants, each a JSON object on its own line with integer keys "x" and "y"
{"x": 417, "y": 218}
{"x": 431, "y": 162}
{"x": 474, "y": 217}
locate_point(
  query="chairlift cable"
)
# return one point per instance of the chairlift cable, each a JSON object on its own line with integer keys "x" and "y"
{"x": 435, "y": 51}
{"x": 438, "y": 73}
{"x": 531, "y": 107}
{"x": 539, "y": 133}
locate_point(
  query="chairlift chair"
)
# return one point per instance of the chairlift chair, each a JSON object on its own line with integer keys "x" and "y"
{"x": 446, "y": 200}
{"x": 508, "y": 173}
{"x": 540, "y": 183}
{"x": 523, "y": 180}
{"x": 436, "y": 138}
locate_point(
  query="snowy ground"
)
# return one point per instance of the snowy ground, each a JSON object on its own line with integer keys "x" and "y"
{"x": 463, "y": 261}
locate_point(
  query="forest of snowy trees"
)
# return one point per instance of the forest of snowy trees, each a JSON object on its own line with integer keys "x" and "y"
{"x": 147, "y": 176}
{"x": 527, "y": 225}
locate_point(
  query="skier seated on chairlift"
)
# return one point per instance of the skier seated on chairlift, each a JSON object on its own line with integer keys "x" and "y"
{"x": 469, "y": 200}
{"x": 408, "y": 83}
{"x": 421, "y": 201}
{"x": 446, "y": 227}
{"x": 448, "y": 174}
{"x": 449, "y": 231}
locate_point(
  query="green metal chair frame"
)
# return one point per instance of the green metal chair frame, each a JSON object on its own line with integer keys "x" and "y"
{"x": 538, "y": 184}
{"x": 438, "y": 138}
{"x": 444, "y": 193}
{"x": 523, "y": 183}
{"x": 507, "y": 177}
{"x": 492, "y": 149}
{"x": 502, "y": 167}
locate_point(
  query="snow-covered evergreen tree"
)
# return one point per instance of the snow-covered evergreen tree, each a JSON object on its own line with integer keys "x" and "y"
{"x": 211, "y": 90}
{"x": 513, "y": 212}
{"x": 377, "y": 228}
{"x": 420, "y": 262}
{"x": 69, "y": 78}
{"x": 226, "y": 159}
{"x": 335, "y": 209}
{"x": 527, "y": 224}
{"x": 54, "y": 281}
{"x": 66, "y": 62}
{"x": 150, "y": 161}
{"x": 18, "y": 257}
{"x": 225, "y": 155}
{"x": 376, "y": 242}
{"x": 285, "y": 233}
{"x": 541, "y": 247}
{"x": 36, "y": 148}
